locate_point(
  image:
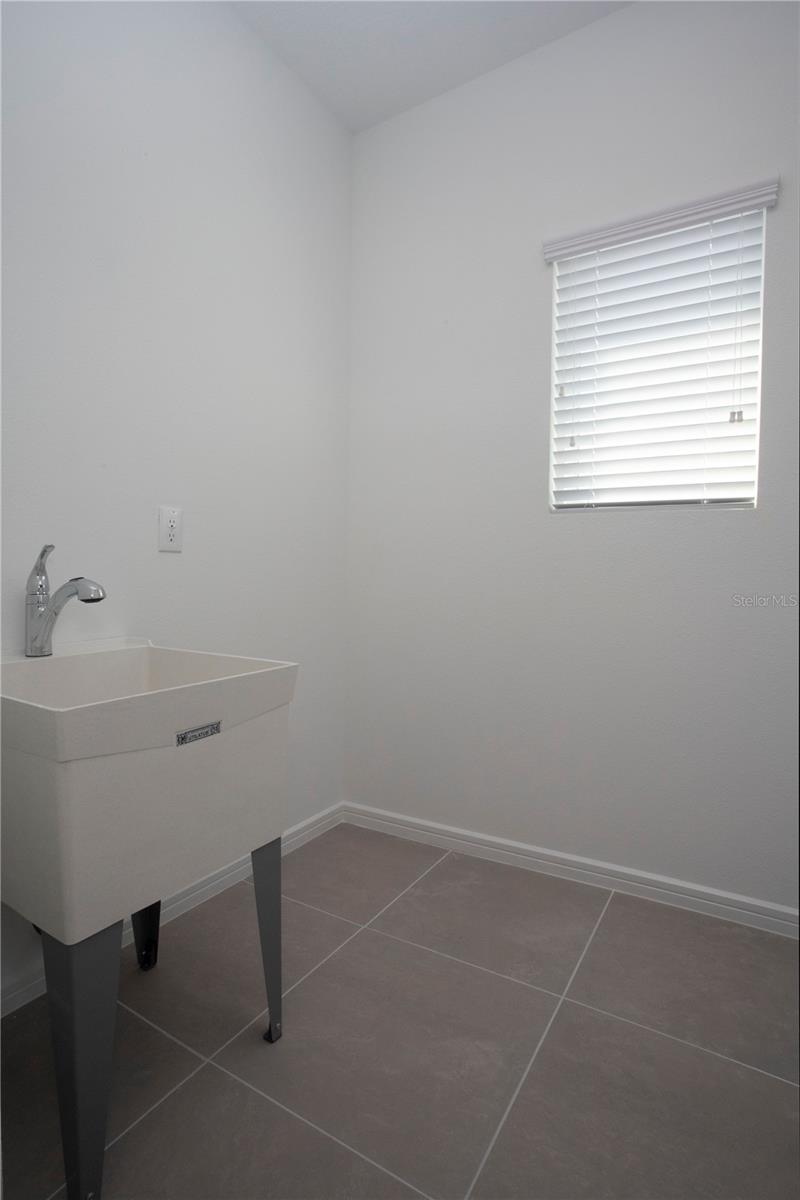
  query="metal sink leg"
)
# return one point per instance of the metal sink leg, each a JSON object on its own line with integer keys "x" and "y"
{"x": 82, "y": 986}
{"x": 267, "y": 881}
{"x": 145, "y": 934}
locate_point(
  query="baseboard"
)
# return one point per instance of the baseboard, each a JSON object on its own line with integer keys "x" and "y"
{"x": 22, "y": 992}
{"x": 312, "y": 827}
{"x": 761, "y": 914}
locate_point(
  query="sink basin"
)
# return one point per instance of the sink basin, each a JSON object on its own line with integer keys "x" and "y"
{"x": 132, "y": 773}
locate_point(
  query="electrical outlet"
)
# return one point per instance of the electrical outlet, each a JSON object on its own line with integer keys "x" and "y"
{"x": 170, "y": 529}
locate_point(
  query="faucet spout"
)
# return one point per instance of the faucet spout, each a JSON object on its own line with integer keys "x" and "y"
{"x": 42, "y": 610}
{"x": 81, "y": 588}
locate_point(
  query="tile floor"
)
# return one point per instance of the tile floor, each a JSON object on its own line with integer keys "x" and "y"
{"x": 453, "y": 1028}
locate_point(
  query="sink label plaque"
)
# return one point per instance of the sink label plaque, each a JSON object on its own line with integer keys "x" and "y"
{"x": 200, "y": 731}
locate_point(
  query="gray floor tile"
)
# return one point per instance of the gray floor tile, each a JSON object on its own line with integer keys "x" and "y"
{"x": 614, "y": 1112}
{"x": 408, "y": 1057}
{"x": 530, "y": 926}
{"x": 215, "y": 1139}
{"x": 354, "y": 872}
{"x": 209, "y": 982}
{"x": 721, "y": 985}
{"x": 146, "y": 1066}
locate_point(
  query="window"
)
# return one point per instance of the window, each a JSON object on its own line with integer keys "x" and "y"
{"x": 657, "y": 359}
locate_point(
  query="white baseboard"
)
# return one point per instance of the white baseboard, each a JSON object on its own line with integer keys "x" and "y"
{"x": 312, "y": 827}
{"x": 22, "y": 992}
{"x": 761, "y": 914}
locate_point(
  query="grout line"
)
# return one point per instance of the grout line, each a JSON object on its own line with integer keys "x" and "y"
{"x": 153, "y": 1025}
{"x": 152, "y": 1107}
{"x": 641, "y": 885}
{"x": 315, "y": 908}
{"x": 324, "y": 960}
{"x": 681, "y": 1041}
{"x": 327, "y": 912}
{"x": 547, "y": 992}
{"x": 297, "y": 982}
{"x": 539, "y": 1044}
{"x": 576, "y": 968}
{"x": 362, "y": 927}
{"x": 259, "y": 1015}
{"x": 207, "y": 1061}
{"x": 146, "y": 1113}
{"x": 562, "y": 998}
{"x": 204, "y": 1062}
{"x": 588, "y": 944}
{"x": 408, "y": 889}
{"x": 466, "y": 963}
{"x": 332, "y": 1137}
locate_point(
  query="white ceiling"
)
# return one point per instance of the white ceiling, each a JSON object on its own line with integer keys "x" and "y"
{"x": 370, "y": 59}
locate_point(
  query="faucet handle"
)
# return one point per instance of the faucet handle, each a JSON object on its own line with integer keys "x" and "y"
{"x": 38, "y": 582}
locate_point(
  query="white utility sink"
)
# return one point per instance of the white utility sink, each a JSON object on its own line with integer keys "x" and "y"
{"x": 133, "y": 772}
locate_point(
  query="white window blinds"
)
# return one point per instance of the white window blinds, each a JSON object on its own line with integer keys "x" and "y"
{"x": 656, "y": 367}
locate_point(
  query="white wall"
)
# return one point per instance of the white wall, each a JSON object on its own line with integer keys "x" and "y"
{"x": 579, "y": 681}
{"x": 176, "y": 236}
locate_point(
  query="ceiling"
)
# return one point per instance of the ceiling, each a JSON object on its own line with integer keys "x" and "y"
{"x": 371, "y": 59}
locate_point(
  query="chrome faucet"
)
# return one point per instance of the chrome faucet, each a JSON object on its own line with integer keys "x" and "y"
{"x": 42, "y": 609}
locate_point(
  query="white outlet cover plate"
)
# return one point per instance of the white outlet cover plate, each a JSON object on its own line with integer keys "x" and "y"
{"x": 170, "y": 529}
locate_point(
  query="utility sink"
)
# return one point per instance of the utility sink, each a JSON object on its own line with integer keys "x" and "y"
{"x": 133, "y": 772}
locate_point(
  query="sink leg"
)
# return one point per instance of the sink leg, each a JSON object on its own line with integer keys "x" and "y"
{"x": 82, "y": 985}
{"x": 145, "y": 934}
{"x": 267, "y": 881}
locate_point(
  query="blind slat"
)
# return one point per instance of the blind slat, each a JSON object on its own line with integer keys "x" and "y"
{"x": 656, "y": 423}
{"x": 655, "y": 364}
{"x": 617, "y": 273}
{"x": 656, "y": 368}
{"x": 734, "y": 377}
{"x": 654, "y": 472}
{"x": 618, "y": 339}
{"x": 567, "y": 464}
{"x": 652, "y": 300}
{"x": 599, "y": 283}
{"x": 588, "y": 497}
{"x": 705, "y": 341}
{"x": 610, "y": 446}
{"x": 676, "y": 312}
{"x": 598, "y": 290}
{"x": 657, "y": 406}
